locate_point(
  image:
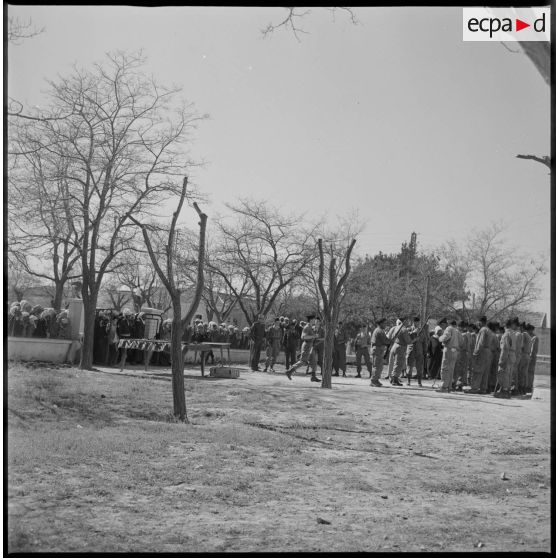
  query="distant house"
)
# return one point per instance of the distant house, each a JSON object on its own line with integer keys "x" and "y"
{"x": 537, "y": 319}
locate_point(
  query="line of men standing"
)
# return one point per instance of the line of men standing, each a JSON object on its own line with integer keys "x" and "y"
{"x": 485, "y": 356}
{"x": 502, "y": 360}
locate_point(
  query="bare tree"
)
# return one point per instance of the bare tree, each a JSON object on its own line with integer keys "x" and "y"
{"x": 19, "y": 280}
{"x": 18, "y": 30}
{"x": 260, "y": 254}
{"x": 164, "y": 264}
{"x": 136, "y": 272}
{"x": 502, "y": 279}
{"x": 117, "y": 138}
{"x": 294, "y": 16}
{"x": 219, "y": 299}
{"x": 40, "y": 235}
{"x": 331, "y": 289}
{"x": 544, "y": 160}
{"x": 113, "y": 288}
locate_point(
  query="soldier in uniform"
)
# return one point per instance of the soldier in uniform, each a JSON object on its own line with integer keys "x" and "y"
{"x": 518, "y": 349}
{"x": 290, "y": 343}
{"x": 482, "y": 355}
{"x": 257, "y": 338}
{"x": 450, "y": 341}
{"x": 506, "y": 362}
{"x": 415, "y": 351}
{"x": 533, "y": 352}
{"x": 273, "y": 338}
{"x": 523, "y": 360}
{"x": 379, "y": 343}
{"x": 401, "y": 338}
{"x": 362, "y": 350}
{"x": 492, "y": 377}
{"x": 460, "y": 371}
{"x": 340, "y": 338}
{"x": 307, "y": 357}
{"x": 434, "y": 353}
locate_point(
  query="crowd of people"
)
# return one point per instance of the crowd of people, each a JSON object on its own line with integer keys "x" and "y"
{"x": 26, "y": 320}
{"x": 111, "y": 326}
{"x": 487, "y": 357}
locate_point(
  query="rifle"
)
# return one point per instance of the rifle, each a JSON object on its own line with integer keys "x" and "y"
{"x": 391, "y": 342}
{"x": 424, "y": 325}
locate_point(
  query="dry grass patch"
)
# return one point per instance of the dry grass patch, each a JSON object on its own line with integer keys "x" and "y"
{"x": 96, "y": 463}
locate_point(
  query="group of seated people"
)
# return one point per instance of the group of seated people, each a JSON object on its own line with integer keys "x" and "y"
{"x": 26, "y": 320}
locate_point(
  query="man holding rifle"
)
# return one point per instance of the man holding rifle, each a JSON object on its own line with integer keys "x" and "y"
{"x": 400, "y": 339}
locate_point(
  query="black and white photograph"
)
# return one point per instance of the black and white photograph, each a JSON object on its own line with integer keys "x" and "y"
{"x": 279, "y": 279}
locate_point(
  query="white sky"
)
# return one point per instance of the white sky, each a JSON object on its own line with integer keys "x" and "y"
{"x": 396, "y": 116}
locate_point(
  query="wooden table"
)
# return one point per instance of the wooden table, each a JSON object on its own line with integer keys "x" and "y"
{"x": 156, "y": 345}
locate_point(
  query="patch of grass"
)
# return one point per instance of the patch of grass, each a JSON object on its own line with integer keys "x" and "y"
{"x": 472, "y": 484}
{"x": 133, "y": 479}
{"x": 521, "y": 449}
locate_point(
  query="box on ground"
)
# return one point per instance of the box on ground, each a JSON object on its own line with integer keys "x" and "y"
{"x": 224, "y": 372}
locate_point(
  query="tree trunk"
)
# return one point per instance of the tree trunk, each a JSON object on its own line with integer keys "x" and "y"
{"x": 177, "y": 362}
{"x": 328, "y": 353}
{"x": 89, "y": 306}
{"x": 58, "y": 295}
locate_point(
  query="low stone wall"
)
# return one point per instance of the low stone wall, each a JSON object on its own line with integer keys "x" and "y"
{"x": 31, "y": 348}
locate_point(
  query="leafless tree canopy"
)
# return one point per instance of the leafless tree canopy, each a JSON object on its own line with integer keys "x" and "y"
{"x": 294, "y": 16}
{"x": 501, "y": 279}
{"x": 112, "y": 144}
{"x": 260, "y": 252}
{"x": 19, "y": 30}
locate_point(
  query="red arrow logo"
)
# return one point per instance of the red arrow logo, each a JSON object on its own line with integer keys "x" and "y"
{"x": 519, "y": 25}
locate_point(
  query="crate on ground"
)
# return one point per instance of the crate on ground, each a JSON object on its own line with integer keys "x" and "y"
{"x": 224, "y": 372}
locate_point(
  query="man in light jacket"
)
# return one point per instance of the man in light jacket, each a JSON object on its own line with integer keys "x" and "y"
{"x": 450, "y": 341}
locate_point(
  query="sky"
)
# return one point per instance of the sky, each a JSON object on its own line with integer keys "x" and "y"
{"x": 395, "y": 117}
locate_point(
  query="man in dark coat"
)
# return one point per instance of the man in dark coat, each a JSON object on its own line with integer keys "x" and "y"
{"x": 257, "y": 342}
{"x": 340, "y": 338}
{"x": 291, "y": 338}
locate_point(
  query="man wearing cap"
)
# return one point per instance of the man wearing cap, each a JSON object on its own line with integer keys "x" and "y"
{"x": 415, "y": 351}
{"x": 273, "y": 337}
{"x": 450, "y": 341}
{"x": 307, "y": 357}
{"x": 400, "y": 337}
{"x": 523, "y": 360}
{"x": 340, "y": 338}
{"x": 482, "y": 355}
{"x": 379, "y": 343}
{"x": 518, "y": 349}
{"x": 533, "y": 352}
{"x": 257, "y": 338}
{"x": 434, "y": 353}
{"x": 290, "y": 343}
{"x": 506, "y": 361}
{"x": 362, "y": 350}
{"x": 460, "y": 371}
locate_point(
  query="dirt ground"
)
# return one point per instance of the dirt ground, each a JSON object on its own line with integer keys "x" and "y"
{"x": 96, "y": 463}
